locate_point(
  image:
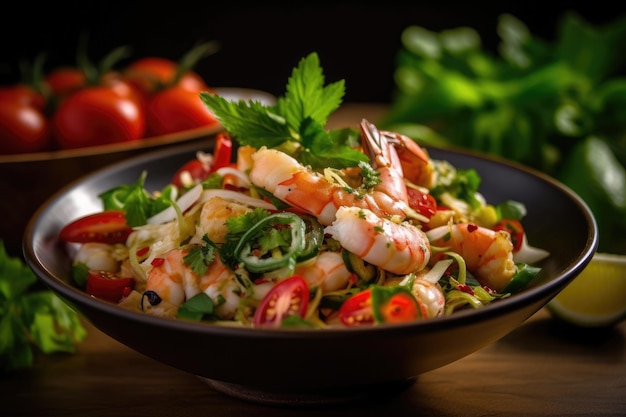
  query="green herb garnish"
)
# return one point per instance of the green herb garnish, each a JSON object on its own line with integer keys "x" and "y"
{"x": 296, "y": 123}
{"x": 31, "y": 318}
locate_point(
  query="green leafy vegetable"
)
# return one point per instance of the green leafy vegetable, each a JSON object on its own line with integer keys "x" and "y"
{"x": 296, "y": 123}
{"x": 30, "y": 318}
{"x": 200, "y": 257}
{"x": 543, "y": 104}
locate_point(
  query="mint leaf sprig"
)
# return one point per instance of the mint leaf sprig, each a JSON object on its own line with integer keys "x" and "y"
{"x": 296, "y": 123}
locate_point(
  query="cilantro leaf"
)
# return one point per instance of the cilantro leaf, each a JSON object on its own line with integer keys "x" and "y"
{"x": 200, "y": 257}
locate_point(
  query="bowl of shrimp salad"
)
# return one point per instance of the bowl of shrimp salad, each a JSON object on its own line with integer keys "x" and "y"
{"x": 356, "y": 256}
{"x": 281, "y": 271}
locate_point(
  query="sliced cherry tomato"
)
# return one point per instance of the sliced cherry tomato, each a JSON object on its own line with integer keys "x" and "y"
{"x": 108, "y": 286}
{"x": 515, "y": 229}
{"x": 394, "y": 305}
{"x": 379, "y": 305}
{"x": 105, "y": 227}
{"x": 288, "y": 297}
{"x": 423, "y": 203}
{"x": 357, "y": 310}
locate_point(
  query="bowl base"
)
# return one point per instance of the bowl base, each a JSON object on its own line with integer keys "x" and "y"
{"x": 290, "y": 397}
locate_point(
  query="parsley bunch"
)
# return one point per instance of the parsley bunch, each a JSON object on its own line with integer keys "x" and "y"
{"x": 31, "y": 318}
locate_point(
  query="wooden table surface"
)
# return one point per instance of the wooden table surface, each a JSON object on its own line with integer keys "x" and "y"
{"x": 541, "y": 369}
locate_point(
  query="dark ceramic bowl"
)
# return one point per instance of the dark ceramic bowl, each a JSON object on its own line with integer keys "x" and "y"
{"x": 27, "y": 180}
{"x": 304, "y": 366}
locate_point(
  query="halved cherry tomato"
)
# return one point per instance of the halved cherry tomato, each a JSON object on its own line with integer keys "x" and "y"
{"x": 515, "y": 229}
{"x": 395, "y": 305}
{"x": 357, "y": 310}
{"x": 288, "y": 297}
{"x": 423, "y": 203}
{"x": 379, "y": 305}
{"x": 108, "y": 286}
{"x": 104, "y": 227}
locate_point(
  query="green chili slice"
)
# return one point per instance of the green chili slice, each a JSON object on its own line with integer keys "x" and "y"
{"x": 272, "y": 243}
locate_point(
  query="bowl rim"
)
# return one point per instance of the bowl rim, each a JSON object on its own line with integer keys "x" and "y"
{"x": 529, "y": 296}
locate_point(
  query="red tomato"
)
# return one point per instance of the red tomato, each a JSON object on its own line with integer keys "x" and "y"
{"x": 99, "y": 115}
{"x": 175, "y": 109}
{"x": 400, "y": 307}
{"x": 195, "y": 171}
{"x": 65, "y": 80}
{"x": 108, "y": 286}
{"x": 152, "y": 73}
{"x": 223, "y": 153}
{"x": 23, "y": 129}
{"x": 423, "y": 203}
{"x": 391, "y": 306}
{"x": 289, "y": 297}
{"x": 357, "y": 310}
{"x": 104, "y": 227}
{"x": 23, "y": 94}
{"x": 515, "y": 229}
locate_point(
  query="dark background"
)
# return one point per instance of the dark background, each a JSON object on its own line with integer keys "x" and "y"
{"x": 261, "y": 43}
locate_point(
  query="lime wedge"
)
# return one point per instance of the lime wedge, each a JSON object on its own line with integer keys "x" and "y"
{"x": 597, "y": 297}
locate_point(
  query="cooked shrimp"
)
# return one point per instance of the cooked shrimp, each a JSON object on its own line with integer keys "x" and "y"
{"x": 488, "y": 254}
{"x": 213, "y": 216}
{"x": 417, "y": 166}
{"x": 317, "y": 194}
{"x": 174, "y": 282}
{"x": 101, "y": 256}
{"x": 429, "y": 297}
{"x": 400, "y": 248}
{"x": 327, "y": 270}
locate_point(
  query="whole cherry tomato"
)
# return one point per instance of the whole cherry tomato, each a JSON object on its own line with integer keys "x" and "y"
{"x": 65, "y": 80}
{"x": 23, "y": 94}
{"x": 99, "y": 115}
{"x": 23, "y": 129}
{"x": 175, "y": 109}
{"x": 150, "y": 74}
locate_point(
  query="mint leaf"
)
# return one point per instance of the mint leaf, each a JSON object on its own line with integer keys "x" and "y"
{"x": 296, "y": 123}
{"x": 306, "y": 95}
